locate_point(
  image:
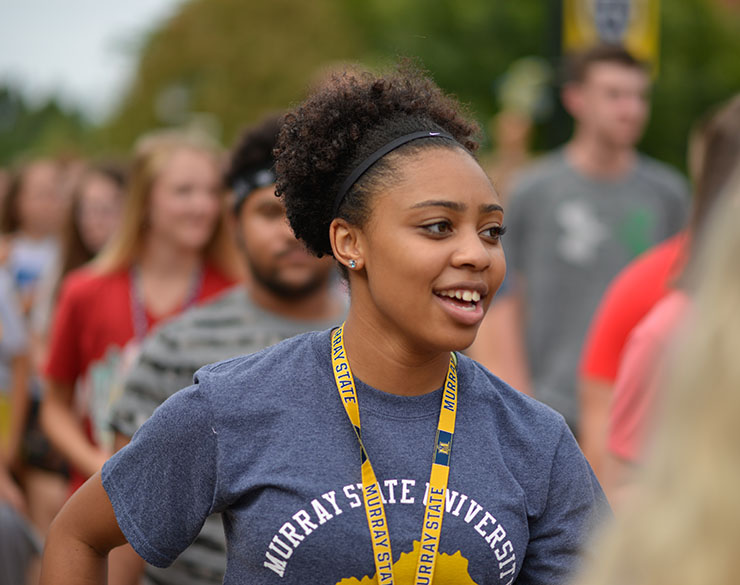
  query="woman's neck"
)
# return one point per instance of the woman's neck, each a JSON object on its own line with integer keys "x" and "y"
{"x": 383, "y": 359}
{"x": 167, "y": 275}
{"x": 159, "y": 258}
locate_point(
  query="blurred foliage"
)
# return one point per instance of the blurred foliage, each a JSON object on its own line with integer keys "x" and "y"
{"x": 467, "y": 46}
{"x": 699, "y": 68}
{"x": 28, "y": 130}
{"x": 222, "y": 64}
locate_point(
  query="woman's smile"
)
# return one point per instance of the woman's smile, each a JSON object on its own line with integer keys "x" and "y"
{"x": 464, "y": 303}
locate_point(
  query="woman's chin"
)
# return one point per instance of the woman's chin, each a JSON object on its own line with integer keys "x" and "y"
{"x": 457, "y": 340}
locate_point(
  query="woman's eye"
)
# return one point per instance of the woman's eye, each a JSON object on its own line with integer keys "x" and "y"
{"x": 439, "y": 228}
{"x": 494, "y": 233}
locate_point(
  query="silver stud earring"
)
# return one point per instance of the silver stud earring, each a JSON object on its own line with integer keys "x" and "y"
{"x": 352, "y": 264}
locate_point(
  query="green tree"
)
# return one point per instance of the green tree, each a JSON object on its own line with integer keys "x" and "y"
{"x": 37, "y": 130}
{"x": 224, "y": 63}
{"x": 467, "y": 46}
{"x": 699, "y": 68}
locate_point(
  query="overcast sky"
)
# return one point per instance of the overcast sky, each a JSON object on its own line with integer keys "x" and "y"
{"x": 79, "y": 48}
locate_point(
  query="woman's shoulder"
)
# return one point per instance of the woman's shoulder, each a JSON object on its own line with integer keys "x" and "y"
{"x": 518, "y": 412}
{"x": 534, "y": 442}
{"x": 87, "y": 281}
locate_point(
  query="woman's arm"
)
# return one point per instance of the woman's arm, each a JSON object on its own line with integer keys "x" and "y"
{"x": 63, "y": 427}
{"x": 80, "y": 538}
{"x": 595, "y": 397}
{"x": 125, "y": 567}
{"x": 163, "y": 486}
{"x": 19, "y": 405}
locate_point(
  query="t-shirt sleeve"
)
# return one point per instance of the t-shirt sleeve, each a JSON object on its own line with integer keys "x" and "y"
{"x": 163, "y": 484}
{"x": 575, "y": 505}
{"x": 63, "y": 361}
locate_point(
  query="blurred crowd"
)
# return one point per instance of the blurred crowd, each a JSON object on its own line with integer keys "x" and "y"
{"x": 618, "y": 310}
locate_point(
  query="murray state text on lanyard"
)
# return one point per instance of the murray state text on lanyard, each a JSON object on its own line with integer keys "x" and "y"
{"x": 376, "y": 519}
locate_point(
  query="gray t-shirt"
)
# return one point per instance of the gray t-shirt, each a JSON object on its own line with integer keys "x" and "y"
{"x": 229, "y": 326}
{"x": 568, "y": 236}
{"x": 265, "y": 440}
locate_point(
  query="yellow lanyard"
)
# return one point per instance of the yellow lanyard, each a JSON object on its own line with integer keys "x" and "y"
{"x": 376, "y": 520}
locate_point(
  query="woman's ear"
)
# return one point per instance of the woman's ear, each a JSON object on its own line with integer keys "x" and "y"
{"x": 347, "y": 243}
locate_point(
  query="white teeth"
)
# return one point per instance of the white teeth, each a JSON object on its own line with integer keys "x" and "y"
{"x": 463, "y": 295}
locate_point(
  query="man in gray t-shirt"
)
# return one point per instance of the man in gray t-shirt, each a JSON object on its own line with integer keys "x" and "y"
{"x": 579, "y": 215}
{"x": 288, "y": 292}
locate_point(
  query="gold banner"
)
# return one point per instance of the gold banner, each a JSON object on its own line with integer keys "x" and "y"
{"x": 632, "y": 23}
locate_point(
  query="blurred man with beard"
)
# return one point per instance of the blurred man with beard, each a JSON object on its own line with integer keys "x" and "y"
{"x": 288, "y": 291}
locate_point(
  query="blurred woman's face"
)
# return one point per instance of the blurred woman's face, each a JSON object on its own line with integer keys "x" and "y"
{"x": 40, "y": 203}
{"x": 185, "y": 200}
{"x": 98, "y": 210}
{"x": 431, "y": 252}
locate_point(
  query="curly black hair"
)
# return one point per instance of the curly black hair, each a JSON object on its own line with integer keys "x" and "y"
{"x": 253, "y": 151}
{"x": 341, "y": 124}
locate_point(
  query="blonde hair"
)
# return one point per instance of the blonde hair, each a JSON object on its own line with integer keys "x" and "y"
{"x": 683, "y": 525}
{"x": 151, "y": 154}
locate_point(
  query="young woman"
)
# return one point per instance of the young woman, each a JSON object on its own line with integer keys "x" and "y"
{"x": 18, "y": 545}
{"x": 379, "y": 173}
{"x": 89, "y": 221}
{"x": 94, "y": 214}
{"x": 31, "y": 220}
{"x": 170, "y": 251}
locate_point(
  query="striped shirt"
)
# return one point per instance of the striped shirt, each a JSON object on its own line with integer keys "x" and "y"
{"x": 229, "y": 326}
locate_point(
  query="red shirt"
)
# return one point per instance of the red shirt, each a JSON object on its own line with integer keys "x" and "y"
{"x": 637, "y": 388}
{"x": 92, "y": 338}
{"x": 630, "y": 296}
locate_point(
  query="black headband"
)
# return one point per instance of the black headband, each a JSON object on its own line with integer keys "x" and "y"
{"x": 376, "y": 156}
{"x": 247, "y": 184}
